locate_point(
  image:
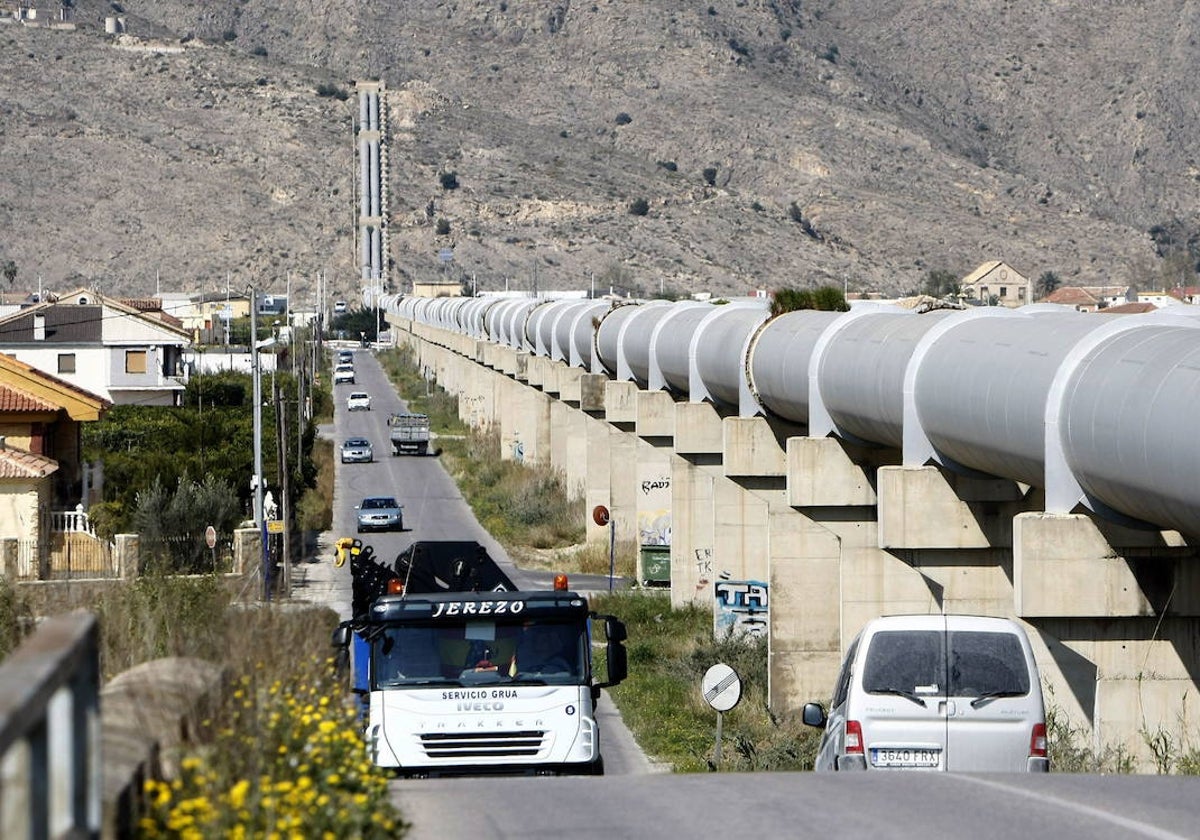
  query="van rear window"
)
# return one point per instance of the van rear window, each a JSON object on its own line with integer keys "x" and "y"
{"x": 919, "y": 662}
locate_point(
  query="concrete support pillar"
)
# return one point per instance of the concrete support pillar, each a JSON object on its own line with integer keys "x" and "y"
{"x": 1114, "y": 571}
{"x": 653, "y": 494}
{"x": 692, "y": 530}
{"x": 524, "y": 416}
{"x": 695, "y": 471}
{"x": 127, "y": 548}
{"x": 611, "y": 480}
{"x": 928, "y": 507}
{"x": 476, "y": 388}
{"x": 569, "y": 446}
{"x": 806, "y": 641}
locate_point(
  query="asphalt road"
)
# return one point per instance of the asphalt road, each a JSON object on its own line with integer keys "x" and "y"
{"x": 634, "y": 801}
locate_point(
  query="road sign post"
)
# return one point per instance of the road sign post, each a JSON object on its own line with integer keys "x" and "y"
{"x": 601, "y": 516}
{"x": 210, "y": 539}
{"x": 722, "y": 689}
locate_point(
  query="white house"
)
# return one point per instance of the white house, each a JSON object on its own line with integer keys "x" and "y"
{"x": 125, "y": 352}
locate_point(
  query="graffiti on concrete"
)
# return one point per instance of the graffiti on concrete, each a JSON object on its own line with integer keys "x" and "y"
{"x": 741, "y": 610}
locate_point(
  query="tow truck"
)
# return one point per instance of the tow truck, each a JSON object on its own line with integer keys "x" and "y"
{"x": 461, "y": 673}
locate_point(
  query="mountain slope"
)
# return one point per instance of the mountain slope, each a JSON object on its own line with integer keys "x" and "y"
{"x": 773, "y": 143}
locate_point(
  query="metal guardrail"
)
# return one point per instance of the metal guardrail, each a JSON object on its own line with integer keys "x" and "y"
{"x": 50, "y": 777}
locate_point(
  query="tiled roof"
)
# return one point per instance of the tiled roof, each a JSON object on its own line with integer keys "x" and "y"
{"x": 16, "y": 464}
{"x": 1131, "y": 308}
{"x": 14, "y": 399}
{"x": 1072, "y": 296}
{"x": 142, "y": 304}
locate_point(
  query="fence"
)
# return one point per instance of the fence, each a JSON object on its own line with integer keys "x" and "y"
{"x": 50, "y": 778}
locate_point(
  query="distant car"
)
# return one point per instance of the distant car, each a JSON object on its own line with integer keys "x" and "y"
{"x": 339, "y": 307}
{"x": 345, "y": 357}
{"x": 358, "y": 401}
{"x": 343, "y": 373}
{"x": 380, "y": 513}
{"x": 357, "y": 451}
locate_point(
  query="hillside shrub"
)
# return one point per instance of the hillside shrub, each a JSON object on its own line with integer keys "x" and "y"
{"x": 639, "y": 207}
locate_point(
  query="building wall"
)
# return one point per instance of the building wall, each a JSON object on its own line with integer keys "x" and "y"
{"x": 20, "y": 501}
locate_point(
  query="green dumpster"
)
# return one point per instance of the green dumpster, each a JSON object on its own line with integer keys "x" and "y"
{"x": 655, "y": 565}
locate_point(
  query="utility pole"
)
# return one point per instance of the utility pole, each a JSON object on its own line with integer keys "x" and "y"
{"x": 285, "y": 560}
{"x": 259, "y": 520}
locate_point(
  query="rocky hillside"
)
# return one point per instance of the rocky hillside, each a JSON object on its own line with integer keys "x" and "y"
{"x": 658, "y": 146}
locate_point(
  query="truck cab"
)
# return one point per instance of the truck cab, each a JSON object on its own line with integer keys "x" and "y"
{"x": 482, "y": 680}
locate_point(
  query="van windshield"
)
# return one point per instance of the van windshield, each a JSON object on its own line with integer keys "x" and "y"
{"x": 969, "y": 664}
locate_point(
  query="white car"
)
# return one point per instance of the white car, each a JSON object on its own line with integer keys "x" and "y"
{"x": 343, "y": 373}
{"x": 358, "y": 401}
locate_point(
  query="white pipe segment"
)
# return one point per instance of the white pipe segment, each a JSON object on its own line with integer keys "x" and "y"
{"x": 1128, "y": 416}
{"x": 574, "y": 329}
{"x": 717, "y": 351}
{"x": 625, "y": 342}
{"x": 777, "y": 370}
{"x": 1096, "y": 409}
{"x": 670, "y": 341}
{"x": 980, "y": 390}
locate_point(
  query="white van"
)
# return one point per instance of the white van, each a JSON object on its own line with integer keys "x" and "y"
{"x": 935, "y": 692}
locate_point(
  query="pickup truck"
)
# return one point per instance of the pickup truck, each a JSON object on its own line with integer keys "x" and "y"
{"x": 409, "y": 434}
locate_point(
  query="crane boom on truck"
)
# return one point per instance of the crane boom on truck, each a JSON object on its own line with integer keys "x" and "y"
{"x": 462, "y": 673}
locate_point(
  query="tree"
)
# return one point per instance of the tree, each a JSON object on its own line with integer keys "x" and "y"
{"x": 10, "y": 272}
{"x": 1046, "y": 284}
{"x": 940, "y": 283}
{"x": 824, "y": 298}
{"x": 639, "y": 207}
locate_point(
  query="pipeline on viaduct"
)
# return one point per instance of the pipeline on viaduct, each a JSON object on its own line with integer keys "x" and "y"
{"x": 817, "y": 469}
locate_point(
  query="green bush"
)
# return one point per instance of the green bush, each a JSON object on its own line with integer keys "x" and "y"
{"x": 16, "y": 618}
{"x": 669, "y": 650}
{"x": 333, "y": 92}
{"x": 639, "y": 207}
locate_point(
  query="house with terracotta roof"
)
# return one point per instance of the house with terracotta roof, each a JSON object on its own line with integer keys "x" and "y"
{"x": 1091, "y": 298}
{"x": 126, "y": 352}
{"x": 997, "y": 283}
{"x": 41, "y": 470}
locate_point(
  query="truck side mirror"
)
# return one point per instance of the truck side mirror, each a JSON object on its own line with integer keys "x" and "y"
{"x": 618, "y": 660}
{"x": 341, "y": 636}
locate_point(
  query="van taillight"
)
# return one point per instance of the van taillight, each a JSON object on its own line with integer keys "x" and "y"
{"x": 854, "y": 741}
{"x": 1037, "y": 741}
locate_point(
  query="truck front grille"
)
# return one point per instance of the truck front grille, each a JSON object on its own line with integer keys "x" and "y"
{"x": 483, "y": 744}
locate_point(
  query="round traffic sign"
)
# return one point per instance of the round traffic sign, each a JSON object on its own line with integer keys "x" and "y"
{"x": 210, "y": 537}
{"x": 600, "y": 515}
{"x": 721, "y": 687}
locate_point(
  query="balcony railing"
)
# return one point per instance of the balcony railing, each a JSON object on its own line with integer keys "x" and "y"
{"x": 71, "y": 522}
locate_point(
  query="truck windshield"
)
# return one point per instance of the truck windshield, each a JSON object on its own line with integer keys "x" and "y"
{"x": 480, "y": 653}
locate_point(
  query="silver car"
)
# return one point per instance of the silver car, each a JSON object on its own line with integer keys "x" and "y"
{"x": 380, "y": 513}
{"x": 935, "y": 692}
{"x": 357, "y": 451}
